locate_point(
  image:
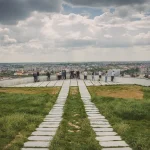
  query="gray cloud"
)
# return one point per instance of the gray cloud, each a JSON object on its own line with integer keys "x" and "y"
{"x": 76, "y": 43}
{"x": 97, "y": 3}
{"x": 13, "y": 10}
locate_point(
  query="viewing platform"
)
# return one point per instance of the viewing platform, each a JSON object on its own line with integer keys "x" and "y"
{"x": 29, "y": 82}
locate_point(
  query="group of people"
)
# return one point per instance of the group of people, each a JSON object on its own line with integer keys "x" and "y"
{"x": 36, "y": 76}
{"x": 74, "y": 74}
{"x": 61, "y": 75}
{"x": 112, "y": 76}
{"x": 100, "y": 75}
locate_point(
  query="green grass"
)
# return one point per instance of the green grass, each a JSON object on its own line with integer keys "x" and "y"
{"x": 74, "y": 132}
{"x": 20, "y": 114}
{"x": 130, "y": 118}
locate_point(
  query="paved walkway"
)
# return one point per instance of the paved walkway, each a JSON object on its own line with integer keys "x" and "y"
{"x": 73, "y": 82}
{"x": 108, "y": 139}
{"x": 40, "y": 139}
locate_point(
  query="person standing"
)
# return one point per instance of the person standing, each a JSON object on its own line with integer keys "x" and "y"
{"x": 93, "y": 74}
{"x": 38, "y": 74}
{"x": 48, "y": 76}
{"x": 60, "y": 75}
{"x": 65, "y": 74}
{"x": 85, "y": 75}
{"x": 78, "y": 74}
{"x": 100, "y": 75}
{"x": 74, "y": 75}
{"x": 57, "y": 74}
{"x": 106, "y": 76}
{"x": 35, "y": 76}
{"x": 112, "y": 76}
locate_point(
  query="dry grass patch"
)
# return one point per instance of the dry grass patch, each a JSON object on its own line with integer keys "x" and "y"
{"x": 26, "y": 90}
{"x": 74, "y": 90}
{"x": 120, "y": 91}
{"x": 72, "y": 125}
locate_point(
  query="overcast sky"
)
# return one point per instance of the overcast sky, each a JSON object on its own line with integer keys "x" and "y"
{"x": 74, "y": 30}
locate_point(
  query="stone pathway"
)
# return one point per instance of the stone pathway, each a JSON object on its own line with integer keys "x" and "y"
{"x": 29, "y": 84}
{"x": 74, "y": 82}
{"x": 96, "y": 83}
{"x": 88, "y": 83}
{"x": 52, "y": 83}
{"x": 40, "y": 139}
{"x": 108, "y": 139}
{"x": 37, "y": 84}
{"x": 44, "y": 84}
{"x": 59, "y": 83}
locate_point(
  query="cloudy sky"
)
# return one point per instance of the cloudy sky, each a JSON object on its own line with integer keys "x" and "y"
{"x": 74, "y": 30}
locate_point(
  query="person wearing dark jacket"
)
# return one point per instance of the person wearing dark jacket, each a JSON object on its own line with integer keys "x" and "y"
{"x": 38, "y": 74}
{"x": 35, "y": 76}
{"x": 48, "y": 76}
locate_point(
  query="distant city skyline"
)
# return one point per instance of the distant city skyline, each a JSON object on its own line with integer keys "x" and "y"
{"x": 74, "y": 30}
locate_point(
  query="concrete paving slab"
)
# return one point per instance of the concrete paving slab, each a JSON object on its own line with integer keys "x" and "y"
{"x": 29, "y": 84}
{"x": 53, "y": 116}
{"x": 40, "y": 138}
{"x": 99, "y": 123}
{"x": 36, "y": 144}
{"x": 103, "y": 129}
{"x": 96, "y": 117}
{"x": 50, "y": 123}
{"x": 44, "y": 84}
{"x": 97, "y": 120}
{"x": 106, "y": 133}
{"x": 120, "y": 148}
{"x": 108, "y": 138}
{"x": 49, "y": 126}
{"x": 37, "y": 84}
{"x": 59, "y": 83}
{"x": 89, "y": 112}
{"x": 52, "y": 119}
{"x": 100, "y": 126}
{"x": 96, "y": 83}
{"x": 73, "y": 82}
{"x": 51, "y": 84}
{"x": 38, "y": 133}
{"x": 114, "y": 144}
{"x": 46, "y": 129}
{"x": 35, "y": 149}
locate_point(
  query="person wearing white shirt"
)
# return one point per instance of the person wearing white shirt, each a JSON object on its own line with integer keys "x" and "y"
{"x": 85, "y": 75}
{"x": 100, "y": 74}
{"x": 112, "y": 76}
